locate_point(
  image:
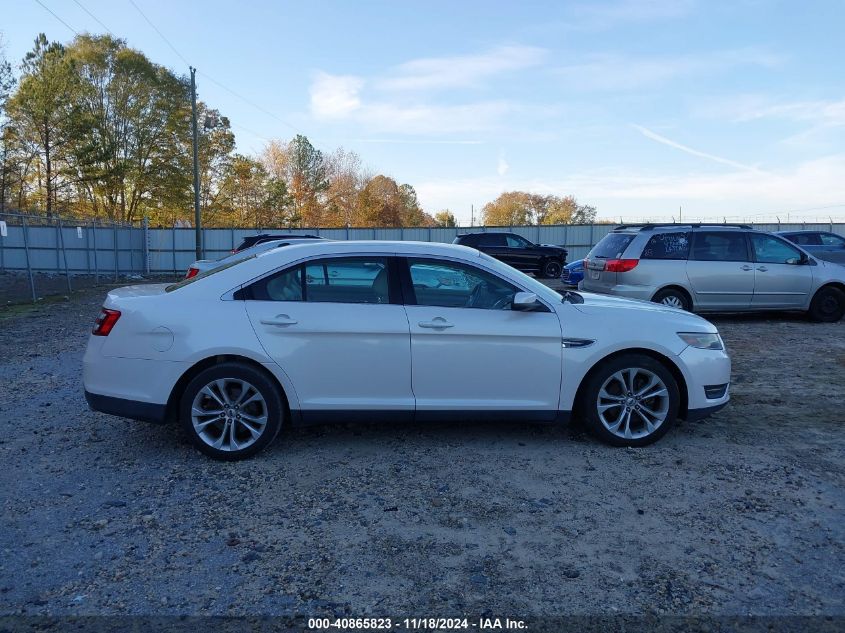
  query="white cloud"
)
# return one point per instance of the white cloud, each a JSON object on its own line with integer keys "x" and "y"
{"x": 335, "y": 96}
{"x": 503, "y": 166}
{"x": 616, "y": 72}
{"x": 745, "y": 108}
{"x": 654, "y": 136}
{"x": 460, "y": 71}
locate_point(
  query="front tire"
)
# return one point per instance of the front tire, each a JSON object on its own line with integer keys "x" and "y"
{"x": 828, "y": 305}
{"x": 231, "y": 411}
{"x": 552, "y": 269}
{"x": 631, "y": 400}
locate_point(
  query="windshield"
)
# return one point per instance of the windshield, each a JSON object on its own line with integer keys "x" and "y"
{"x": 529, "y": 282}
{"x": 207, "y": 273}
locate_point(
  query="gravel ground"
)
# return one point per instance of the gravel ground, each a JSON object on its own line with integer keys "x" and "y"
{"x": 738, "y": 514}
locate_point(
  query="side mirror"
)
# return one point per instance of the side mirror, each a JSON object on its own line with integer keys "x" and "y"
{"x": 525, "y": 301}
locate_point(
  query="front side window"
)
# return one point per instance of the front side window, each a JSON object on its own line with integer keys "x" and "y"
{"x": 454, "y": 285}
{"x": 829, "y": 239}
{"x": 805, "y": 239}
{"x": 667, "y": 246}
{"x": 335, "y": 280}
{"x": 515, "y": 241}
{"x": 771, "y": 250}
{"x": 720, "y": 246}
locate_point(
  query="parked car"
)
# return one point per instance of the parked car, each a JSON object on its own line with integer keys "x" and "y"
{"x": 573, "y": 273}
{"x": 204, "y": 265}
{"x": 436, "y": 332}
{"x": 252, "y": 240}
{"x": 714, "y": 268}
{"x": 822, "y": 244}
{"x": 541, "y": 259}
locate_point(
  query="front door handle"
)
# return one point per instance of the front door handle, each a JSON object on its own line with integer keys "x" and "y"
{"x": 279, "y": 320}
{"x": 762, "y": 269}
{"x": 746, "y": 267}
{"x": 437, "y": 323}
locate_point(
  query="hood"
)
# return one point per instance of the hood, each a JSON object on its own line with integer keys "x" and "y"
{"x": 605, "y": 305}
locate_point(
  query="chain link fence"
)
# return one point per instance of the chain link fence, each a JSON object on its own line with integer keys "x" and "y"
{"x": 41, "y": 256}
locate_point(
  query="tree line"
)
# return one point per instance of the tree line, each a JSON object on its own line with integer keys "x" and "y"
{"x": 95, "y": 129}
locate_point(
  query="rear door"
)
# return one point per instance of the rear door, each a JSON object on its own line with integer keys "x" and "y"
{"x": 470, "y": 352}
{"x": 781, "y": 280}
{"x": 720, "y": 270}
{"x": 337, "y": 328}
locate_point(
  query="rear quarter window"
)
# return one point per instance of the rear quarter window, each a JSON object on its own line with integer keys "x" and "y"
{"x": 667, "y": 246}
{"x": 612, "y": 245}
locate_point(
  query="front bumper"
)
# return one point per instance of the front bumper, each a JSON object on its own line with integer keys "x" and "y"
{"x": 703, "y": 371}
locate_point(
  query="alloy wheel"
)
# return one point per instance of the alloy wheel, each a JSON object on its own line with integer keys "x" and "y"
{"x": 633, "y": 403}
{"x": 229, "y": 414}
{"x": 672, "y": 301}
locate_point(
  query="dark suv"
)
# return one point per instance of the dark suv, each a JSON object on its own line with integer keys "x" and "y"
{"x": 252, "y": 240}
{"x": 515, "y": 250}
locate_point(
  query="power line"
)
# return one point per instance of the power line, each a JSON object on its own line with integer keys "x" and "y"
{"x": 247, "y": 101}
{"x": 81, "y": 6}
{"x": 46, "y": 8}
{"x": 160, "y": 34}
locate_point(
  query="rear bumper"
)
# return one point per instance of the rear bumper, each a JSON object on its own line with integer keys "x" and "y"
{"x": 132, "y": 409}
{"x": 643, "y": 293}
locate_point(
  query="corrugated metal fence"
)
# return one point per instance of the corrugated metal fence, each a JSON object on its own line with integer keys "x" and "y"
{"x": 71, "y": 247}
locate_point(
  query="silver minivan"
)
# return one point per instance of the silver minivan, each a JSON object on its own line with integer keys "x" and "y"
{"x": 714, "y": 268}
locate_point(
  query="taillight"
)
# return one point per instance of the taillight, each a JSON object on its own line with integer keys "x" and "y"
{"x": 192, "y": 272}
{"x": 620, "y": 265}
{"x": 105, "y": 322}
{"x": 234, "y": 250}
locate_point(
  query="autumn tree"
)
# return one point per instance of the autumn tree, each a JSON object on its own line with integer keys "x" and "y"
{"x": 42, "y": 108}
{"x": 566, "y": 210}
{"x": 511, "y": 208}
{"x": 445, "y": 218}
{"x": 346, "y": 178}
{"x": 519, "y": 208}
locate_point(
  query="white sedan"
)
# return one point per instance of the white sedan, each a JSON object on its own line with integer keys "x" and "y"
{"x": 337, "y": 331}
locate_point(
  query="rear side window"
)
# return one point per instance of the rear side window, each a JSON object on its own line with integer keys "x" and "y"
{"x": 612, "y": 245}
{"x": 334, "y": 280}
{"x": 667, "y": 246}
{"x": 491, "y": 239}
{"x": 719, "y": 246}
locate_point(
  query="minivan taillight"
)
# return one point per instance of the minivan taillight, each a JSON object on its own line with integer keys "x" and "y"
{"x": 620, "y": 265}
{"x": 105, "y": 322}
{"x": 192, "y": 272}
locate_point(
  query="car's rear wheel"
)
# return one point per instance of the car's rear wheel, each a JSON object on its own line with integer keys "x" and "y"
{"x": 231, "y": 411}
{"x": 828, "y": 305}
{"x": 673, "y": 298}
{"x": 631, "y": 400}
{"x": 552, "y": 269}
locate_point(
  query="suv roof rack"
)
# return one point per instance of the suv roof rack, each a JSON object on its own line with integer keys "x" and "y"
{"x": 695, "y": 225}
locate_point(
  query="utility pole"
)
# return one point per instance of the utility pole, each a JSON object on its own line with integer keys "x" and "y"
{"x": 472, "y": 215}
{"x": 680, "y": 215}
{"x": 197, "y": 220}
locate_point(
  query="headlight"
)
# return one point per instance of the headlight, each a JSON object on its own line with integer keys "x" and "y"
{"x": 702, "y": 340}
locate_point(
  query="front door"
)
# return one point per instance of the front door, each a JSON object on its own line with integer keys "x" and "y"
{"x": 339, "y": 333}
{"x": 782, "y": 278}
{"x": 720, "y": 271}
{"x": 470, "y": 352}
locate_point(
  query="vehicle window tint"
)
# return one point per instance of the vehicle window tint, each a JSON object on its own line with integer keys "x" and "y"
{"x": 771, "y": 250}
{"x": 829, "y": 239}
{"x": 719, "y": 246}
{"x": 667, "y": 246}
{"x": 282, "y": 286}
{"x": 805, "y": 239}
{"x": 491, "y": 239}
{"x": 347, "y": 280}
{"x": 611, "y": 246}
{"x": 453, "y": 285}
{"x": 515, "y": 241}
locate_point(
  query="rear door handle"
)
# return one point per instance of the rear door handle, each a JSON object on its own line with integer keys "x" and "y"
{"x": 280, "y": 320}
{"x": 437, "y": 323}
{"x": 762, "y": 269}
{"x": 746, "y": 267}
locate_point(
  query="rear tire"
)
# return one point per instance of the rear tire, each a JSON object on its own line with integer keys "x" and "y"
{"x": 630, "y": 400}
{"x": 231, "y": 411}
{"x": 828, "y": 305}
{"x": 673, "y": 298}
{"x": 552, "y": 269}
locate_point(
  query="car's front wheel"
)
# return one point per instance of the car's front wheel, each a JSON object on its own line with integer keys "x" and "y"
{"x": 828, "y": 305}
{"x": 231, "y": 411}
{"x": 630, "y": 400}
{"x": 552, "y": 269}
